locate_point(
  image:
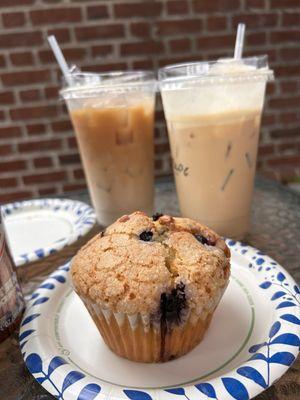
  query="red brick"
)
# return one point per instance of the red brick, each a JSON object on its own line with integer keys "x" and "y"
{"x": 20, "y": 114}
{"x": 22, "y": 58}
{"x": 287, "y": 70}
{"x": 282, "y": 103}
{"x": 71, "y": 54}
{"x": 289, "y": 86}
{"x": 140, "y": 48}
{"x": 143, "y": 64}
{"x": 35, "y": 129}
{"x": 289, "y": 117}
{"x": 285, "y": 133}
{"x": 39, "y": 145}
{"x": 78, "y": 174}
{"x": 216, "y": 23}
{"x": 14, "y": 196}
{"x": 287, "y": 36}
{"x": 261, "y": 20}
{"x": 25, "y": 77}
{"x": 101, "y": 50}
{"x": 62, "y": 34}
{"x": 139, "y": 9}
{"x": 2, "y": 61}
{"x": 285, "y": 161}
{"x": 30, "y": 95}
{"x": 11, "y": 3}
{"x": 45, "y": 177}
{"x": 51, "y": 16}
{"x": 140, "y": 29}
{"x": 97, "y": 12}
{"x": 252, "y": 4}
{"x": 74, "y": 186}
{"x": 67, "y": 159}
{"x": 10, "y": 131}
{"x": 8, "y": 182}
{"x": 43, "y": 162}
{"x": 13, "y": 19}
{"x": 291, "y": 19}
{"x": 290, "y": 53}
{"x": 105, "y": 67}
{"x": 286, "y": 147}
{"x": 2, "y": 115}
{"x": 177, "y": 7}
{"x": 161, "y": 148}
{"x": 256, "y": 39}
{"x": 180, "y": 45}
{"x": 99, "y": 32}
{"x": 5, "y": 149}
{"x": 72, "y": 142}
{"x": 17, "y": 165}
{"x": 47, "y": 191}
{"x": 21, "y": 39}
{"x": 215, "y": 41}
{"x": 265, "y": 149}
{"x": 284, "y": 4}
{"x": 51, "y": 92}
{"x": 268, "y": 119}
{"x": 7, "y": 98}
{"x": 61, "y": 126}
{"x": 178, "y": 26}
{"x": 223, "y": 6}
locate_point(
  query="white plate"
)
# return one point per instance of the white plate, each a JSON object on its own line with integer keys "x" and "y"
{"x": 37, "y": 228}
{"x": 252, "y": 341}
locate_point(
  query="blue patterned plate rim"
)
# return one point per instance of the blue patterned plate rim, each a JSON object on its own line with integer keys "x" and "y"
{"x": 82, "y": 217}
{"x": 267, "y": 361}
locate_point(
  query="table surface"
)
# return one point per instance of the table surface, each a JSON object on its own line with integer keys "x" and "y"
{"x": 275, "y": 230}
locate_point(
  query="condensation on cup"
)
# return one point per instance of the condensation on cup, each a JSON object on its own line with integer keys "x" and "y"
{"x": 113, "y": 117}
{"x": 213, "y": 112}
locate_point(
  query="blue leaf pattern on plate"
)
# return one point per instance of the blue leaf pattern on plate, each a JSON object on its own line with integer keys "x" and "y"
{"x": 285, "y": 304}
{"x": 274, "y": 329}
{"x": 34, "y": 363}
{"x": 47, "y": 286}
{"x": 137, "y": 395}
{"x": 291, "y": 318}
{"x": 89, "y": 392}
{"x": 40, "y": 300}
{"x": 29, "y": 319}
{"x": 71, "y": 378}
{"x": 25, "y": 334}
{"x": 265, "y": 285}
{"x": 277, "y": 295}
{"x": 287, "y": 338}
{"x": 256, "y": 347}
{"x": 59, "y": 278}
{"x": 280, "y": 277}
{"x": 207, "y": 389}
{"x": 283, "y": 357}
{"x": 178, "y": 391}
{"x": 253, "y": 374}
{"x": 235, "y": 388}
{"x": 55, "y": 363}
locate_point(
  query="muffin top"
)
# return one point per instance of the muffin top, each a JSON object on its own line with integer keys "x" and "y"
{"x": 138, "y": 263}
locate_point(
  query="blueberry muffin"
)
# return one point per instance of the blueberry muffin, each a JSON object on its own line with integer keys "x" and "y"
{"x": 151, "y": 285}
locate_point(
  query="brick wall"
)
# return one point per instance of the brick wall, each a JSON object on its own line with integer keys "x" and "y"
{"x": 38, "y": 152}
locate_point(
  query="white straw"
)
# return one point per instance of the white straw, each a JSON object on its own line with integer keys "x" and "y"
{"x": 60, "y": 58}
{"x": 239, "y": 42}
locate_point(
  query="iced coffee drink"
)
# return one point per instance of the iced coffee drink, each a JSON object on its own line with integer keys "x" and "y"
{"x": 113, "y": 122}
{"x": 213, "y": 113}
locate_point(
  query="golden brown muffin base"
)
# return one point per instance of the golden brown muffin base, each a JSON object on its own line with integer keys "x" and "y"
{"x": 154, "y": 344}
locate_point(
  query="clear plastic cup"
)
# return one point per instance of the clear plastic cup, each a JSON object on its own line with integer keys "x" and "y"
{"x": 213, "y": 112}
{"x": 113, "y": 115}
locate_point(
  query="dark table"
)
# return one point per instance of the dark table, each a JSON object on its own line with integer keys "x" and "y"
{"x": 275, "y": 230}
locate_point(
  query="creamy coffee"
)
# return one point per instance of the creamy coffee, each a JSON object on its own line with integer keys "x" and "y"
{"x": 116, "y": 147}
{"x": 213, "y": 111}
{"x": 214, "y": 161}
